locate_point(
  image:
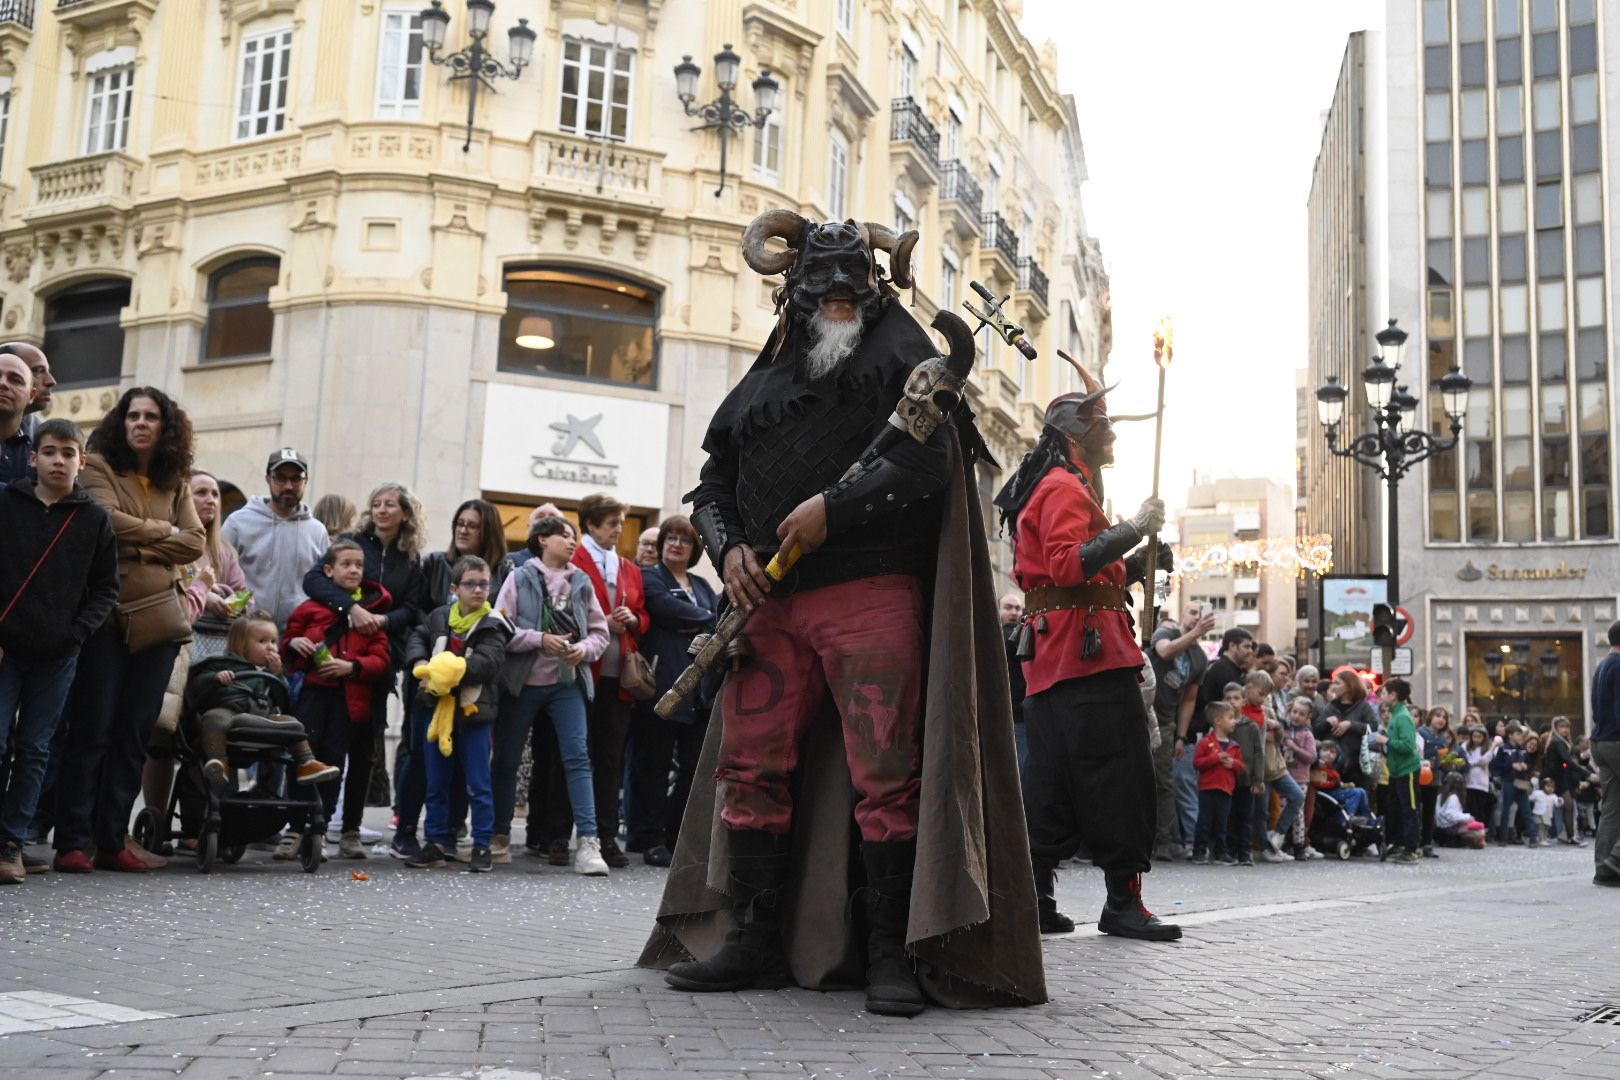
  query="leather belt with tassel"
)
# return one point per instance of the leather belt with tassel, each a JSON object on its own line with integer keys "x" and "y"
{"x": 1089, "y": 598}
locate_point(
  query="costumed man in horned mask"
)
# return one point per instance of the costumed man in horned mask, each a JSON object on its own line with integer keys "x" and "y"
{"x": 874, "y": 683}
{"x": 1089, "y": 774}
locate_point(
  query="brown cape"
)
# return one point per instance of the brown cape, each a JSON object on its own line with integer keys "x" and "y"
{"x": 973, "y": 927}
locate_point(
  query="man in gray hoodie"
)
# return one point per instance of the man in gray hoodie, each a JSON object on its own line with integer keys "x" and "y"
{"x": 275, "y": 537}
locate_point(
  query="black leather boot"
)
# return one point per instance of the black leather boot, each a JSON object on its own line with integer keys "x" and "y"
{"x": 1053, "y": 921}
{"x": 891, "y": 984}
{"x": 1125, "y": 915}
{"x": 752, "y": 957}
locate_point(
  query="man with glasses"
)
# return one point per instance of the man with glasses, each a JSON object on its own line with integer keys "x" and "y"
{"x": 276, "y": 538}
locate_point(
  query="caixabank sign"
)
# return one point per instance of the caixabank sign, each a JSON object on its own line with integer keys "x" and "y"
{"x": 557, "y": 445}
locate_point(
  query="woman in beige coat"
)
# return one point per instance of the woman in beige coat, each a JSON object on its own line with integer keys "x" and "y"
{"x": 137, "y": 472}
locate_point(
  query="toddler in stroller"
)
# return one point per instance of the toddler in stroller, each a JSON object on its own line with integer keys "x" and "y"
{"x": 1342, "y": 824}
{"x": 233, "y": 716}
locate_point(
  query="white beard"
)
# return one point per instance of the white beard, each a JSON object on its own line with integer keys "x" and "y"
{"x": 835, "y": 340}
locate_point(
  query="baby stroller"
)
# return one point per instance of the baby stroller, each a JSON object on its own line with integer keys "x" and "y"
{"x": 1335, "y": 832}
{"x": 228, "y": 820}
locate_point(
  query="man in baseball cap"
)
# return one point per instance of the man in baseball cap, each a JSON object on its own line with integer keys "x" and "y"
{"x": 276, "y": 538}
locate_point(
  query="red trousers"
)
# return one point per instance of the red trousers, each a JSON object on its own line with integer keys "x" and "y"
{"x": 861, "y": 641}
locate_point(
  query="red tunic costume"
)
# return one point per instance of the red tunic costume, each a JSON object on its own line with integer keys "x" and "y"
{"x": 1062, "y": 514}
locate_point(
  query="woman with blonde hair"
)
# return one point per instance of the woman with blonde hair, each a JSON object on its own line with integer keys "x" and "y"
{"x": 336, "y": 513}
{"x": 390, "y": 535}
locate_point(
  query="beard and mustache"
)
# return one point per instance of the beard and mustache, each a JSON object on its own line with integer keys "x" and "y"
{"x": 833, "y": 341}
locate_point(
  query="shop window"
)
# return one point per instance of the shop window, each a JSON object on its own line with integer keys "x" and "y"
{"x": 240, "y": 322}
{"x": 1515, "y": 682}
{"x": 578, "y": 324}
{"x": 83, "y": 337}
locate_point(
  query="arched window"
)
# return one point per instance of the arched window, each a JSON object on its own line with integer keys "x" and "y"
{"x": 82, "y": 334}
{"x": 240, "y": 322}
{"x": 564, "y": 321}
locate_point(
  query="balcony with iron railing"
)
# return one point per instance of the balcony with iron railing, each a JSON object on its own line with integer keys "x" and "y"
{"x": 18, "y": 12}
{"x": 87, "y": 14}
{"x": 914, "y": 140}
{"x": 961, "y": 197}
{"x": 1000, "y": 240}
{"x": 1032, "y": 280}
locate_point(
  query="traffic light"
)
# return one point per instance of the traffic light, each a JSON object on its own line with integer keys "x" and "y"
{"x": 1387, "y": 625}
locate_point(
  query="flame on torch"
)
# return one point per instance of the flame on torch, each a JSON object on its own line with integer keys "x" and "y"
{"x": 1163, "y": 343}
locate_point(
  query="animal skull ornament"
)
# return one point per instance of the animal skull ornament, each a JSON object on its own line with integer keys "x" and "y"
{"x": 837, "y": 258}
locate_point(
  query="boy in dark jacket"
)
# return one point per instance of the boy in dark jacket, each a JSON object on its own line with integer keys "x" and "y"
{"x": 343, "y": 670}
{"x": 1249, "y": 734}
{"x": 244, "y": 686}
{"x": 1220, "y": 766}
{"x": 460, "y": 730}
{"x": 58, "y": 584}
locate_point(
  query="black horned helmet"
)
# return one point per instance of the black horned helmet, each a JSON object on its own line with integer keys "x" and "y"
{"x": 838, "y": 257}
{"x": 1076, "y": 412}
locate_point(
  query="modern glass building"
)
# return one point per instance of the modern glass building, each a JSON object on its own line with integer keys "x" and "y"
{"x": 1500, "y": 210}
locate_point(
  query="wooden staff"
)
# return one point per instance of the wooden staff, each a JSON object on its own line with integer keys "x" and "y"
{"x": 1163, "y": 348}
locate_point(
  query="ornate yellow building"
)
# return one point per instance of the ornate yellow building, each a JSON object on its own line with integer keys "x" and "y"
{"x": 278, "y": 211}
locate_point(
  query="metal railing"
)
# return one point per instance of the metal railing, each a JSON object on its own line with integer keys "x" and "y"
{"x": 20, "y": 12}
{"x": 908, "y": 124}
{"x": 998, "y": 235}
{"x": 958, "y": 184}
{"x": 1031, "y": 278}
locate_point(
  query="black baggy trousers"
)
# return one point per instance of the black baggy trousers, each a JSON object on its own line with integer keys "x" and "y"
{"x": 1089, "y": 777}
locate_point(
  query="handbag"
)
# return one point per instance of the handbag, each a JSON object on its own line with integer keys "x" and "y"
{"x": 153, "y": 620}
{"x": 637, "y": 677}
{"x": 43, "y": 556}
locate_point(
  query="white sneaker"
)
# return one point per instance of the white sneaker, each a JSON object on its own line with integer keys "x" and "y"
{"x": 1271, "y": 856}
{"x": 1275, "y": 840}
{"x": 287, "y": 850}
{"x": 588, "y": 857}
{"x": 1312, "y": 853}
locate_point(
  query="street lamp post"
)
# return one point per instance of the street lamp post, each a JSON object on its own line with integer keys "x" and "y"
{"x": 1396, "y": 442}
{"x": 1520, "y": 653}
{"x": 475, "y": 63}
{"x": 724, "y": 114}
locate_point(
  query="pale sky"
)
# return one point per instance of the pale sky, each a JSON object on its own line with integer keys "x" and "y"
{"x": 1201, "y": 123}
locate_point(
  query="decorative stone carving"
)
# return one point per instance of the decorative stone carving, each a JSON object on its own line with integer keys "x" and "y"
{"x": 19, "y": 258}
{"x": 1442, "y": 614}
{"x": 1521, "y": 614}
{"x": 644, "y": 231}
{"x": 610, "y": 232}
{"x": 1498, "y": 614}
{"x": 1444, "y": 662}
{"x": 573, "y": 222}
{"x": 1470, "y": 614}
{"x": 1549, "y": 614}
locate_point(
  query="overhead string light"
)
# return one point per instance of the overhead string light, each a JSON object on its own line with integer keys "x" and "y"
{"x": 1295, "y": 555}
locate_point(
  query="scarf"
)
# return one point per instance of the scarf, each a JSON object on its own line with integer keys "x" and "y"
{"x": 461, "y": 623}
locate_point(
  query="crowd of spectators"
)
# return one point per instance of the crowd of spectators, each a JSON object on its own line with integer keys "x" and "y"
{"x": 130, "y": 605}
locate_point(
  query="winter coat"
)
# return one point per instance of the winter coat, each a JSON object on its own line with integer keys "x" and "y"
{"x": 1212, "y": 775}
{"x": 1450, "y": 814}
{"x": 227, "y": 573}
{"x": 1363, "y": 717}
{"x": 677, "y": 618}
{"x": 1481, "y": 761}
{"x": 255, "y": 690}
{"x": 1559, "y": 763}
{"x": 1302, "y": 744}
{"x": 399, "y": 574}
{"x": 437, "y": 590}
{"x": 632, "y": 593}
{"x": 1249, "y": 735}
{"x": 368, "y": 652}
{"x": 484, "y": 649}
{"x": 150, "y": 552}
{"x": 275, "y": 552}
{"x": 1507, "y": 756}
{"x": 522, "y": 601}
{"x": 77, "y": 584}
{"x": 1402, "y": 749}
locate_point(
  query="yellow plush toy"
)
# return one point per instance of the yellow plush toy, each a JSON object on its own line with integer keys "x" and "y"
{"x": 442, "y": 674}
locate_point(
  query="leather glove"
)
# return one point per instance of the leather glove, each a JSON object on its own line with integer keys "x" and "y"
{"x": 1150, "y": 517}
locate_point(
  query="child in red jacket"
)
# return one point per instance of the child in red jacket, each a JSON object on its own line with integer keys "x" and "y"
{"x": 342, "y": 668}
{"x": 1220, "y": 766}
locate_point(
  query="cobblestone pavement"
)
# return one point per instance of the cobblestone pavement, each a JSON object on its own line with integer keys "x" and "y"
{"x": 1479, "y": 965}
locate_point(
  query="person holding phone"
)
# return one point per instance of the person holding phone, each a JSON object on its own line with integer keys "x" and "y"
{"x": 559, "y": 629}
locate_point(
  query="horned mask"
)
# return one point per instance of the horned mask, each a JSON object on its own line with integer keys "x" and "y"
{"x": 834, "y": 259}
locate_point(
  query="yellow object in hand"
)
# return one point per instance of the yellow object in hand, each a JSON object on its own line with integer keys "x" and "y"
{"x": 441, "y": 675}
